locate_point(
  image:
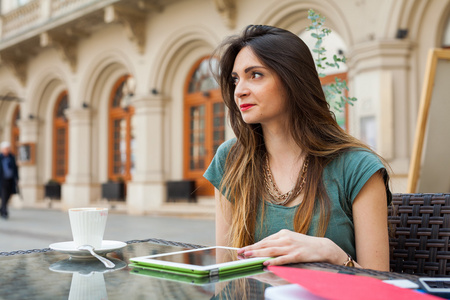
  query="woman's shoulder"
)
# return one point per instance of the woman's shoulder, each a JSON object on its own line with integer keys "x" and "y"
{"x": 357, "y": 154}
{"x": 215, "y": 171}
{"x": 351, "y": 170}
{"x": 356, "y": 158}
{"x": 225, "y": 147}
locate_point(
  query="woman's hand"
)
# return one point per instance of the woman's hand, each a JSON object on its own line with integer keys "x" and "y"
{"x": 291, "y": 247}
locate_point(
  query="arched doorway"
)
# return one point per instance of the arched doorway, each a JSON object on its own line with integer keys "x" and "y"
{"x": 121, "y": 134}
{"x": 15, "y": 131}
{"x": 60, "y": 139}
{"x": 204, "y": 123}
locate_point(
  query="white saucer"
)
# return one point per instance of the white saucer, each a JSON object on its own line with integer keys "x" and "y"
{"x": 71, "y": 249}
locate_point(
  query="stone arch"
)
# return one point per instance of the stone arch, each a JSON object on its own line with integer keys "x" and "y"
{"x": 41, "y": 88}
{"x": 186, "y": 41}
{"x": 9, "y": 87}
{"x": 39, "y": 103}
{"x": 399, "y": 14}
{"x": 97, "y": 86}
{"x": 293, "y": 16}
{"x": 446, "y": 33}
{"x": 425, "y": 21}
{"x": 7, "y": 109}
{"x": 425, "y": 15}
{"x": 442, "y": 25}
{"x": 41, "y": 109}
{"x": 101, "y": 68}
{"x": 174, "y": 61}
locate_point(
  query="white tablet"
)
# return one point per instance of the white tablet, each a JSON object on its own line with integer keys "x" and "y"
{"x": 203, "y": 262}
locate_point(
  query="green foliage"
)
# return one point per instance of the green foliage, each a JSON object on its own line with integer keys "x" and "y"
{"x": 339, "y": 87}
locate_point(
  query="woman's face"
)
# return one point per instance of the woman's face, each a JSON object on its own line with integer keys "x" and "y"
{"x": 259, "y": 93}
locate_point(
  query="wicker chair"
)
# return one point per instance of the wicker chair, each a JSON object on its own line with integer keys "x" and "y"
{"x": 419, "y": 234}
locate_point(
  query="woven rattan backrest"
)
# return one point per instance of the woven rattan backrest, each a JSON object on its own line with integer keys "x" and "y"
{"x": 419, "y": 234}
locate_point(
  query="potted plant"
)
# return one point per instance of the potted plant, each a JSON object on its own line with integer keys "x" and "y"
{"x": 114, "y": 189}
{"x": 181, "y": 190}
{"x": 52, "y": 189}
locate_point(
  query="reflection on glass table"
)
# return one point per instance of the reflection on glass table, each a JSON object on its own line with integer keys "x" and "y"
{"x": 87, "y": 280}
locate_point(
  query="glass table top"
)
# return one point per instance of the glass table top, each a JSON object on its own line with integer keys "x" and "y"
{"x": 54, "y": 275}
{"x": 46, "y": 274}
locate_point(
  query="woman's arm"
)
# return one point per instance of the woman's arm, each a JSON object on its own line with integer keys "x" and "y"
{"x": 371, "y": 236}
{"x": 371, "y": 226}
{"x": 223, "y": 219}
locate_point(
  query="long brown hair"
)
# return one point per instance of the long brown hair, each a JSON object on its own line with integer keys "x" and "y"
{"x": 311, "y": 124}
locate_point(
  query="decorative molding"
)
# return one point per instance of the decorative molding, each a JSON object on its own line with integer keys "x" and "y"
{"x": 227, "y": 10}
{"x": 145, "y": 104}
{"x": 65, "y": 45}
{"x": 17, "y": 61}
{"x": 78, "y": 116}
{"x": 150, "y": 5}
{"x": 29, "y": 129}
{"x": 385, "y": 54}
{"x": 132, "y": 19}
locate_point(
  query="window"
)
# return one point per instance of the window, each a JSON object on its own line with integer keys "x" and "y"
{"x": 60, "y": 138}
{"x": 121, "y": 134}
{"x": 204, "y": 123}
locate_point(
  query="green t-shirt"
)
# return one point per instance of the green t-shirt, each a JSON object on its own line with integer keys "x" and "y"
{"x": 343, "y": 179}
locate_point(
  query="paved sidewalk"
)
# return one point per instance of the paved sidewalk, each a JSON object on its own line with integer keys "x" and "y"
{"x": 37, "y": 228}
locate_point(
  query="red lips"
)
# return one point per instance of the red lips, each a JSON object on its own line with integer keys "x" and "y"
{"x": 244, "y": 107}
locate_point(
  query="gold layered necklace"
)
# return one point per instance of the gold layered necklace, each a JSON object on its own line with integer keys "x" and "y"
{"x": 276, "y": 196}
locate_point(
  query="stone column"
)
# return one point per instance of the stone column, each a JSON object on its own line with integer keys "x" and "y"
{"x": 46, "y": 8}
{"x": 379, "y": 74}
{"x": 30, "y": 189}
{"x": 77, "y": 190}
{"x": 5, "y": 132}
{"x": 1, "y": 28}
{"x": 146, "y": 190}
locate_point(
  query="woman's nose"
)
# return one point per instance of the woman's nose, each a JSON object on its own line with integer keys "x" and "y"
{"x": 241, "y": 90}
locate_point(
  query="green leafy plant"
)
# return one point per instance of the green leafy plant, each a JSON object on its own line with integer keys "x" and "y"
{"x": 339, "y": 87}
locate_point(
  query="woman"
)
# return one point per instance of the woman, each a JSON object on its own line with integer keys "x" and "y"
{"x": 298, "y": 187}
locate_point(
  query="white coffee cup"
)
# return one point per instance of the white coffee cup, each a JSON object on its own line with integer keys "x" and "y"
{"x": 88, "y": 225}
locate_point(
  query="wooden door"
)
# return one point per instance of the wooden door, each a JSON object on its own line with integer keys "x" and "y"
{"x": 15, "y": 131}
{"x": 204, "y": 124}
{"x": 121, "y": 135}
{"x": 60, "y": 139}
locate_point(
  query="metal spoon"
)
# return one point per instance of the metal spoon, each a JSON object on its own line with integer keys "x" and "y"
{"x": 105, "y": 261}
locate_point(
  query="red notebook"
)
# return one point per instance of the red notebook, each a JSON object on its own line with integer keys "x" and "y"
{"x": 343, "y": 286}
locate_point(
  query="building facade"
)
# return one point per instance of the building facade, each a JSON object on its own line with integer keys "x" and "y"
{"x": 120, "y": 90}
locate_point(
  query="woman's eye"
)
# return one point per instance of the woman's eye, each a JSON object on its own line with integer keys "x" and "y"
{"x": 256, "y": 75}
{"x": 234, "y": 80}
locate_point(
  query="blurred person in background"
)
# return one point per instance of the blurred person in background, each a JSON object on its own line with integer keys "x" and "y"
{"x": 9, "y": 176}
